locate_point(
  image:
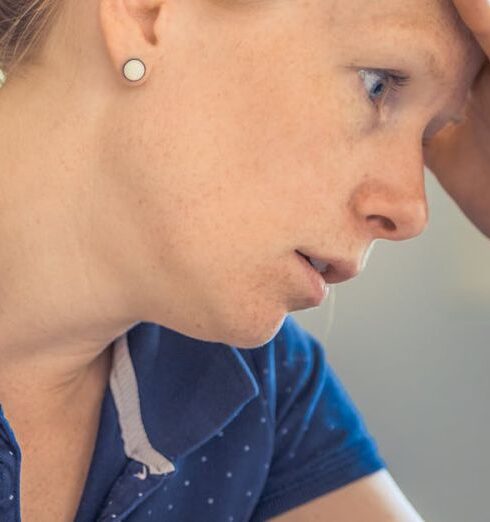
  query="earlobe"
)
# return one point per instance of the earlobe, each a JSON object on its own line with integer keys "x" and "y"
{"x": 128, "y": 31}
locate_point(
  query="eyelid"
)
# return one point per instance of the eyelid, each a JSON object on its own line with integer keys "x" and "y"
{"x": 396, "y": 79}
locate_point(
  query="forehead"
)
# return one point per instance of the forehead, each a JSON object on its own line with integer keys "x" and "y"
{"x": 439, "y": 15}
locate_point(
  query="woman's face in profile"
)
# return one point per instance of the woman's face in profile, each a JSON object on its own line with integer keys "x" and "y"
{"x": 271, "y": 126}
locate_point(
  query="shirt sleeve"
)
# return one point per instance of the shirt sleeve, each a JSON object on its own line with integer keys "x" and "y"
{"x": 321, "y": 440}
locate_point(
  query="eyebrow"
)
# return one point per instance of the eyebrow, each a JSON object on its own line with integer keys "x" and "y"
{"x": 431, "y": 60}
{"x": 431, "y": 65}
{"x": 435, "y": 72}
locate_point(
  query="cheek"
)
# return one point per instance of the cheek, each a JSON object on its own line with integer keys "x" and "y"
{"x": 239, "y": 177}
{"x": 240, "y": 199}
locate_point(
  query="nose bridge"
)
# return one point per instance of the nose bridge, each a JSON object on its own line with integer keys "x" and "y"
{"x": 393, "y": 204}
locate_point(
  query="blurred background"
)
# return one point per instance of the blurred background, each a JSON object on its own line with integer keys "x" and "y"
{"x": 410, "y": 340}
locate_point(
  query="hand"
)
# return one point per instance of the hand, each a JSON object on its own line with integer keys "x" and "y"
{"x": 459, "y": 154}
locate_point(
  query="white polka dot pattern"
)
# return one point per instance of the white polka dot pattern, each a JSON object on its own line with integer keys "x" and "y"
{"x": 299, "y": 437}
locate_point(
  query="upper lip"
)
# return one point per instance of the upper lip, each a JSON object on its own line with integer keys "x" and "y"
{"x": 338, "y": 270}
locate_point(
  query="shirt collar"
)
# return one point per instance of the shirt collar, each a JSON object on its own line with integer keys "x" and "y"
{"x": 173, "y": 393}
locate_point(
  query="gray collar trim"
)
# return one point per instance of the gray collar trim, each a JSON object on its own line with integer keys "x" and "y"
{"x": 124, "y": 389}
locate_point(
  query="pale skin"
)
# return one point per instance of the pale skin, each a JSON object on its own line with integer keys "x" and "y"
{"x": 181, "y": 199}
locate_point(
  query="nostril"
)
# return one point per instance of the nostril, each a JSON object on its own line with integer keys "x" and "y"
{"x": 387, "y": 223}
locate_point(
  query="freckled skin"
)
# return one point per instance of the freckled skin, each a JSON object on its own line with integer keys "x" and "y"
{"x": 181, "y": 200}
{"x": 261, "y": 141}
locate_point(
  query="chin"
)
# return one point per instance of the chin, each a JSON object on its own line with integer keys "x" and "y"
{"x": 254, "y": 331}
{"x": 246, "y": 323}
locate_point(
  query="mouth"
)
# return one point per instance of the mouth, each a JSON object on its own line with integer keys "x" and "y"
{"x": 319, "y": 266}
{"x": 333, "y": 270}
{"x": 317, "y": 288}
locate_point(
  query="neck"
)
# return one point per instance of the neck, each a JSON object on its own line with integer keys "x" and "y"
{"x": 41, "y": 406}
{"x": 64, "y": 293}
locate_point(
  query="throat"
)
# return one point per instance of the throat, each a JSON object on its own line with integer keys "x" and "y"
{"x": 37, "y": 406}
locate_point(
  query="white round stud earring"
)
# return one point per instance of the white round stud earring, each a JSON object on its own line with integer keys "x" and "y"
{"x": 134, "y": 69}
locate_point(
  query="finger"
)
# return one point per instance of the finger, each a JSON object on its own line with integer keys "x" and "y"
{"x": 476, "y": 15}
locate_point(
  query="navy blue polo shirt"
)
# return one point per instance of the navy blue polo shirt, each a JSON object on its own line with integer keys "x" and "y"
{"x": 194, "y": 431}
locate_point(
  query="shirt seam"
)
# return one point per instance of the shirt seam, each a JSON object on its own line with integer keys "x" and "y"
{"x": 340, "y": 461}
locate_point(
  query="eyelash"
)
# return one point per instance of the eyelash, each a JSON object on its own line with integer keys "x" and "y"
{"x": 395, "y": 81}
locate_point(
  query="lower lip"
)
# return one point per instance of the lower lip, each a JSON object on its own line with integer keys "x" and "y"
{"x": 317, "y": 285}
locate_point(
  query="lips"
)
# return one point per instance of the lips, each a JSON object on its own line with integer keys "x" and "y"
{"x": 319, "y": 265}
{"x": 333, "y": 270}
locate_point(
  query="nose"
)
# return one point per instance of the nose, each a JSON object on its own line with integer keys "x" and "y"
{"x": 392, "y": 206}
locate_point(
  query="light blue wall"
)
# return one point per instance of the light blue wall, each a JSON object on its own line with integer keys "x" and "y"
{"x": 410, "y": 339}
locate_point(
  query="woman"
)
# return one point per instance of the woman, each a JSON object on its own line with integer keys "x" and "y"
{"x": 164, "y": 164}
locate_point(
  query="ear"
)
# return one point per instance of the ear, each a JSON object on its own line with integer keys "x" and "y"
{"x": 128, "y": 28}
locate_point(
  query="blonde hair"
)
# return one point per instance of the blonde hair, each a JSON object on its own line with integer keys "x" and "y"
{"x": 24, "y": 25}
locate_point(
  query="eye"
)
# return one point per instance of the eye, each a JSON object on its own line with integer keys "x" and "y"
{"x": 381, "y": 83}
